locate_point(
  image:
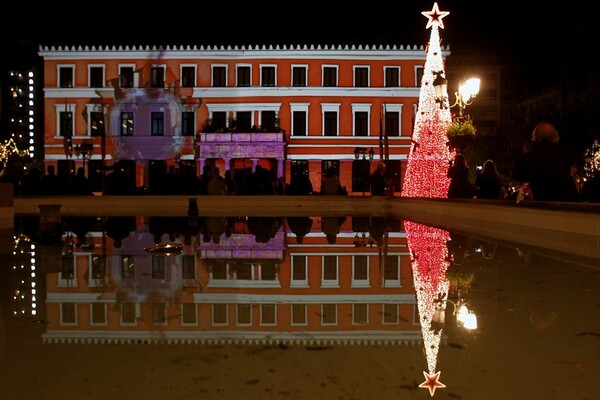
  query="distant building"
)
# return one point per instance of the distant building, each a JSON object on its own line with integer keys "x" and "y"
{"x": 293, "y": 110}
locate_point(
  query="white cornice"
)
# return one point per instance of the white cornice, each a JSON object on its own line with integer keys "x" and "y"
{"x": 235, "y": 52}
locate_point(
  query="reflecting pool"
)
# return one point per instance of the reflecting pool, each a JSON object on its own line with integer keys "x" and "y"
{"x": 290, "y": 307}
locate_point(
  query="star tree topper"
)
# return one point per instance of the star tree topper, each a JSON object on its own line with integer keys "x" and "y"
{"x": 435, "y": 16}
{"x": 432, "y": 382}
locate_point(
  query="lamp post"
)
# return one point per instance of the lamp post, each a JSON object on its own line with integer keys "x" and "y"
{"x": 464, "y": 316}
{"x": 467, "y": 91}
{"x": 84, "y": 150}
{"x": 361, "y": 153}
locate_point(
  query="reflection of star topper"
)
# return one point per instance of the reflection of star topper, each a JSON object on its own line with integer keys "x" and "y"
{"x": 435, "y": 16}
{"x": 432, "y": 382}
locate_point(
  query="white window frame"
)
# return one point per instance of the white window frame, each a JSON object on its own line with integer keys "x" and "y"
{"x": 335, "y": 307}
{"x": 182, "y": 66}
{"x": 90, "y": 108}
{"x": 361, "y": 283}
{"x": 274, "y": 323}
{"x": 361, "y": 107}
{"x": 330, "y": 283}
{"x": 136, "y": 75}
{"x": 195, "y": 306}
{"x": 62, "y": 323}
{"x": 395, "y": 283}
{"x": 337, "y": 74}
{"x": 397, "y": 68}
{"x": 395, "y": 107}
{"x": 296, "y": 283}
{"x": 137, "y": 315}
{"x": 305, "y": 323}
{"x": 383, "y": 321}
{"x": 90, "y": 66}
{"x": 236, "y": 73}
{"x": 303, "y": 66}
{"x": 62, "y": 107}
{"x": 213, "y": 315}
{"x": 237, "y": 314}
{"x": 354, "y": 68}
{"x": 212, "y": 74}
{"x": 416, "y": 69}
{"x": 58, "y": 68}
{"x": 92, "y": 323}
{"x": 298, "y": 107}
{"x": 164, "y": 68}
{"x": 330, "y": 107}
{"x": 354, "y": 314}
{"x": 261, "y": 74}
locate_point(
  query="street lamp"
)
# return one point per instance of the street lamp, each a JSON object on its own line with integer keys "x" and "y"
{"x": 467, "y": 91}
{"x": 464, "y": 316}
{"x": 84, "y": 150}
{"x": 361, "y": 153}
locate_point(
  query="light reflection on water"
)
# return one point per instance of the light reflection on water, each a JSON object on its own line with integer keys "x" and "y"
{"x": 379, "y": 297}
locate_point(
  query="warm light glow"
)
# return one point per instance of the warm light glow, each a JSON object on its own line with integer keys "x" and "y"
{"x": 468, "y": 90}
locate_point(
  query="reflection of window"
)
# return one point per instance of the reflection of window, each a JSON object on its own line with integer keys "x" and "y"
{"x": 127, "y": 267}
{"x": 299, "y": 275}
{"x": 299, "y": 314}
{"x": 188, "y": 314}
{"x": 390, "y": 314}
{"x": 98, "y": 314}
{"x": 188, "y": 266}
{"x": 159, "y": 312}
{"x": 360, "y": 314}
{"x": 68, "y": 313}
{"x": 360, "y": 269}
{"x": 268, "y": 271}
{"x": 244, "y": 314}
{"x": 391, "y": 269}
{"x": 330, "y": 273}
{"x": 158, "y": 267}
{"x": 328, "y": 314}
{"x": 98, "y": 267}
{"x": 128, "y": 313}
{"x": 158, "y": 123}
{"x": 268, "y": 314}
{"x": 219, "y": 312}
{"x": 126, "y": 124}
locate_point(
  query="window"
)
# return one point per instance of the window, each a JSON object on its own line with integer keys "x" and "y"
{"x": 65, "y": 76}
{"x": 267, "y": 75}
{"x": 158, "y": 267}
{"x": 243, "y": 76}
{"x": 361, "y": 171}
{"x": 188, "y": 123}
{"x": 390, "y": 314}
{"x": 299, "y": 76}
{"x": 328, "y": 314}
{"x": 330, "y": 273}
{"x": 329, "y": 76}
{"x": 188, "y": 314}
{"x": 126, "y": 124}
{"x": 127, "y": 267}
{"x": 299, "y": 274}
{"x": 157, "y": 127}
{"x": 392, "y": 77}
{"x": 128, "y": 313}
{"x": 219, "y": 120}
{"x": 391, "y": 271}
{"x": 333, "y": 165}
{"x": 299, "y": 167}
{"x": 299, "y": 314}
{"x": 268, "y": 121}
{"x": 157, "y": 76}
{"x": 68, "y": 313}
{"x": 299, "y": 123}
{"x": 330, "y": 123}
{"x": 188, "y": 76}
{"x": 268, "y": 314}
{"x": 219, "y": 314}
{"x": 66, "y": 124}
{"x": 419, "y": 69}
{"x": 126, "y": 75}
{"x": 219, "y": 75}
{"x": 361, "y": 123}
{"x": 361, "y": 76}
{"x": 159, "y": 312}
{"x": 98, "y": 316}
{"x": 360, "y": 314}
{"x": 97, "y": 123}
{"x": 360, "y": 269}
{"x": 96, "y": 77}
{"x": 98, "y": 267}
{"x": 244, "y": 121}
{"x": 269, "y": 270}
{"x": 392, "y": 123}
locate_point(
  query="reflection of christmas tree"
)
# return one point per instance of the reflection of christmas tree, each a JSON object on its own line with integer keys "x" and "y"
{"x": 427, "y": 168}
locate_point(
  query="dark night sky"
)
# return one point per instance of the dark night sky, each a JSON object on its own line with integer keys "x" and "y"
{"x": 531, "y": 33}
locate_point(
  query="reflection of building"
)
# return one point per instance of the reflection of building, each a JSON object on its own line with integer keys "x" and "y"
{"x": 294, "y": 110}
{"x": 238, "y": 289}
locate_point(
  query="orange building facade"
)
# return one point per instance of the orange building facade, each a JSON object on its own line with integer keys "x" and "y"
{"x": 294, "y": 110}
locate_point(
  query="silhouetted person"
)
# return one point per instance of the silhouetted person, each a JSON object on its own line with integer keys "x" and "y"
{"x": 488, "y": 181}
{"x": 461, "y": 186}
{"x": 51, "y": 183}
{"x": 378, "y": 181}
{"x": 300, "y": 185}
{"x": 80, "y": 185}
{"x": 546, "y": 166}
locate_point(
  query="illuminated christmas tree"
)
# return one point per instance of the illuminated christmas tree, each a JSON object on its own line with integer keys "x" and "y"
{"x": 428, "y": 161}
